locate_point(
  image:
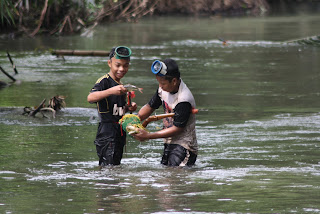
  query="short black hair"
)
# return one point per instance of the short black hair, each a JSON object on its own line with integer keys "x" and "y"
{"x": 112, "y": 52}
{"x": 172, "y": 69}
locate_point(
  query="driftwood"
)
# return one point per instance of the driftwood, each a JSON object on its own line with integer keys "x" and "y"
{"x": 8, "y": 75}
{"x": 34, "y": 112}
{"x": 42, "y": 110}
{"x": 11, "y": 61}
{"x": 55, "y": 104}
{"x": 79, "y": 53}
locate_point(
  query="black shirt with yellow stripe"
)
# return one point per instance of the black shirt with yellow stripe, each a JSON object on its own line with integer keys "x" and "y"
{"x": 110, "y": 110}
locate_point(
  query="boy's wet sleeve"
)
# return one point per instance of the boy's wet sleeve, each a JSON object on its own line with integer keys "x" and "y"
{"x": 155, "y": 102}
{"x": 182, "y": 113}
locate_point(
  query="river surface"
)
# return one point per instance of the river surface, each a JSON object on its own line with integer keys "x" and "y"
{"x": 257, "y": 127}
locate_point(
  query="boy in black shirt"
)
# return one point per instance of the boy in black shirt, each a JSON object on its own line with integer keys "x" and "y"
{"x": 110, "y": 96}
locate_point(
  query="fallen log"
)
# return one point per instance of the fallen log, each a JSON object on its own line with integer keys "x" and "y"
{"x": 55, "y": 104}
{"x": 79, "y": 53}
{"x": 43, "y": 110}
{"x": 34, "y": 112}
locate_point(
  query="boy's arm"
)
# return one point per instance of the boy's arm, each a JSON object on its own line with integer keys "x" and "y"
{"x": 182, "y": 113}
{"x": 99, "y": 95}
{"x": 164, "y": 133}
{"x": 154, "y": 103}
{"x": 145, "y": 112}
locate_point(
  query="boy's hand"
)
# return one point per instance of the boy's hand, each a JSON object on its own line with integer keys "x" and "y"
{"x": 133, "y": 107}
{"x": 118, "y": 90}
{"x": 99, "y": 95}
{"x": 142, "y": 135}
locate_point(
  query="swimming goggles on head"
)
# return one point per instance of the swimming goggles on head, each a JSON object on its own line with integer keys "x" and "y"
{"x": 122, "y": 52}
{"x": 159, "y": 68}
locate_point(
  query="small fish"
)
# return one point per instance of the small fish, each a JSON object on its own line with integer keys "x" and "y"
{"x": 132, "y": 130}
{"x": 130, "y": 87}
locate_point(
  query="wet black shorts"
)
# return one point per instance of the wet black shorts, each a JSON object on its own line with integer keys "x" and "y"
{"x": 110, "y": 153}
{"x": 176, "y": 155}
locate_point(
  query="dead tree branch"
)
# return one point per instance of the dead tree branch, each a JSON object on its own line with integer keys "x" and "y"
{"x": 43, "y": 13}
{"x": 11, "y": 61}
{"x": 8, "y": 75}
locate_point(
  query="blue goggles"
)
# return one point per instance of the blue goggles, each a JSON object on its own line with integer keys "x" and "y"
{"x": 159, "y": 68}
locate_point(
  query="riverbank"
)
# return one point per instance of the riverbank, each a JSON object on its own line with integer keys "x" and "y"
{"x": 69, "y": 17}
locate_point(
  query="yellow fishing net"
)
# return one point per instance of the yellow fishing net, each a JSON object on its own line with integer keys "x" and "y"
{"x": 130, "y": 123}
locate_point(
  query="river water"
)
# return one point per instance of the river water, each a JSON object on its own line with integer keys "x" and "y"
{"x": 257, "y": 126}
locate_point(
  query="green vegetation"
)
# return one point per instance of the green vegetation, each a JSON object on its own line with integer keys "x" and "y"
{"x": 7, "y": 11}
{"x": 69, "y": 16}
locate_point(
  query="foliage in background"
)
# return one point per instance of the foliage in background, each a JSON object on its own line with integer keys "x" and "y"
{"x": 7, "y": 11}
{"x": 69, "y": 16}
